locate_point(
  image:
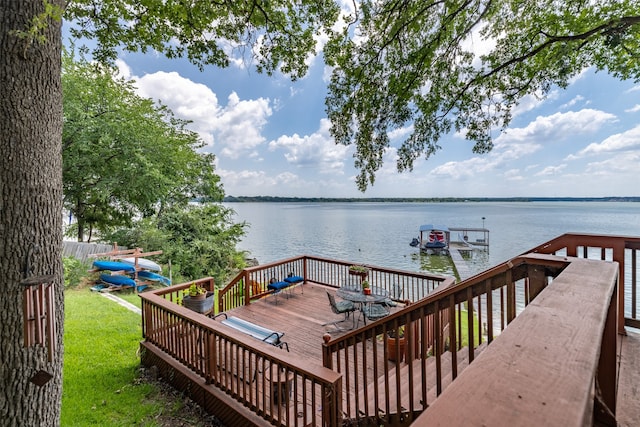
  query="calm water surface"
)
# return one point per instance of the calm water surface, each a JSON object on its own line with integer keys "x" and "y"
{"x": 379, "y": 233}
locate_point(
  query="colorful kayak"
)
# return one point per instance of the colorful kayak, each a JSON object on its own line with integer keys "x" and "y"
{"x": 117, "y": 280}
{"x": 154, "y": 277}
{"x": 145, "y": 264}
{"x": 113, "y": 266}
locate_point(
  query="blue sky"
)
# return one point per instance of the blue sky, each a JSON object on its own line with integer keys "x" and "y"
{"x": 271, "y": 137}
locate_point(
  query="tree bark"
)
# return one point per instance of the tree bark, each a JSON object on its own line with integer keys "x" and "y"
{"x": 30, "y": 208}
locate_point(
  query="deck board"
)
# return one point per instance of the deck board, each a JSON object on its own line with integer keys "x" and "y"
{"x": 300, "y": 317}
{"x": 628, "y": 406}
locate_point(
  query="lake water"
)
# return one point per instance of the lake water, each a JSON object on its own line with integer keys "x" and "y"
{"x": 379, "y": 233}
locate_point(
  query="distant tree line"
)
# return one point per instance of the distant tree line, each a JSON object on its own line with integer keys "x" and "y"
{"x": 275, "y": 199}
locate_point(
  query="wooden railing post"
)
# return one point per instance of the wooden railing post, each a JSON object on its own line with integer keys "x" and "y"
{"x": 331, "y": 404}
{"x": 618, "y": 256}
{"x": 305, "y": 262}
{"x": 604, "y": 409}
{"x": 537, "y": 280}
{"x": 245, "y": 285}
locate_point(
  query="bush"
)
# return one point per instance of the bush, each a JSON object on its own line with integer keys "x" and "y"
{"x": 74, "y": 272}
{"x": 198, "y": 240}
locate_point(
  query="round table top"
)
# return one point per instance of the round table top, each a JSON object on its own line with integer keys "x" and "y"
{"x": 355, "y": 294}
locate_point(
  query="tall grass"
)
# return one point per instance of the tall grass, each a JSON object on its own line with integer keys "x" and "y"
{"x": 101, "y": 367}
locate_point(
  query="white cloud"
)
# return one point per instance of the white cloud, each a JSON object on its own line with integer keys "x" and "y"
{"x": 552, "y": 170}
{"x": 513, "y": 175}
{"x": 557, "y": 126}
{"x": 633, "y": 109}
{"x": 625, "y": 141}
{"x": 518, "y": 144}
{"x": 625, "y": 164}
{"x": 574, "y": 101}
{"x": 124, "y": 70}
{"x": 236, "y": 128}
{"x": 317, "y": 150}
{"x": 532, "y": 101}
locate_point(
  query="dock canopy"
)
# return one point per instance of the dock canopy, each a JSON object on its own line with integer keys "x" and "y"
{"x": 428, "y": 227}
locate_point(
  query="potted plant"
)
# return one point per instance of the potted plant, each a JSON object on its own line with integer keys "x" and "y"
{"x": 396, "y": 344}
{"x": 196, "y": 292}
{"x": 359, "y": 270}
{"x": 366, "y": 289}
{"x": 197, "y": 298}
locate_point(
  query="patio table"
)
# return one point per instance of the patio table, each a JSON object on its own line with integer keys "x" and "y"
{"x": 355, "y": 295}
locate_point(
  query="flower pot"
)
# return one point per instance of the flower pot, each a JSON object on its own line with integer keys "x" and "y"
{"x": 396, "y": 348}
{"x": 366, "y": 291}
{"x": 201, "y": 305}
{"x": 359, "y": 273}
{"x": 198, "y": 297}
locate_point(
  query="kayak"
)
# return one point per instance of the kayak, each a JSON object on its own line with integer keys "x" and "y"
{"x": 145, "y": 264}
{"x": 154, "y": 277}
{"x": 113, "y": 266}
{"x": 117, "y": 280}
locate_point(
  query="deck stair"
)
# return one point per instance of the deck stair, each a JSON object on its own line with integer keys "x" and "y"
{"x": 401, "y": 377}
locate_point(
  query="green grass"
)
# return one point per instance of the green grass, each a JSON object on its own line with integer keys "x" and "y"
{"x": 131, "y": 297}
{"x": 464, "y": 323}
{"x": 101, "y": 385}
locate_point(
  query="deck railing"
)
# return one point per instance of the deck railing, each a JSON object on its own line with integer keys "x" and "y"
{"x": 401, "y": 285}
{"x": 445, "y": 331}
{"x": 266, "y": 381}
{"x": 625, "y": 250}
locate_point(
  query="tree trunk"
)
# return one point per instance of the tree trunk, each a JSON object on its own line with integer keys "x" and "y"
{"x": 30, "y": 209}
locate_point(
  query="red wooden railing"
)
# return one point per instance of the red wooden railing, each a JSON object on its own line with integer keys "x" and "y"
{"x": 401, "y": 285}
{"x": 445, "y": 331}
{"x": 267, "y": 381}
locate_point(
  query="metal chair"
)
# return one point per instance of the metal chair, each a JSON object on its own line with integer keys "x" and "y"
{"x": 374, "y": 312}
{"x": 396, "y": 294}
{"x": 341, "y": 307}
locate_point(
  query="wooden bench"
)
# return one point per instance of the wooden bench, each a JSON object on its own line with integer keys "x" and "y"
{"x": 256, "y": 331}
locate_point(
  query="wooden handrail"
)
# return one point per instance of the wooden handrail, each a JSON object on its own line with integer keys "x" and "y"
{"x": 611, "y": 248}
{"x": 253, "y": 374}
{"x": 329, "y": 272}
{"x": 445, "y": 329}
{"x": 433, "y": 330}
{"x": 542, "y": 369}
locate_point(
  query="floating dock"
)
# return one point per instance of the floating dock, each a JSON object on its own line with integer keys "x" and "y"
{"x": 466, "y": 239}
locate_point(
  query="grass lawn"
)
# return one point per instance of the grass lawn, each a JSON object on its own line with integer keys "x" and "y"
{"x": 129, "y": 296}
{"x": 101, "y": 381}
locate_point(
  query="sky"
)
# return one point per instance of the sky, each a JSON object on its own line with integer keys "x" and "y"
{"x": 271, "y": 137}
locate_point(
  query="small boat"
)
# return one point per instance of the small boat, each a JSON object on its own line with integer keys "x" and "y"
{"x": 143, "y": 263}
{"x": 154, "y": 277}
{"x": 433, "y": 239}
{"x": 113, "y": 266}
{"x": 116, "y": 280}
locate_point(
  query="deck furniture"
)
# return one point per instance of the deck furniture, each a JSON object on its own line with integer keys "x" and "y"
{"x": 356, "y": 296}
{"x": 396, "y": 294}
{"x": 341, "y": 307}
{"x": 277, "y": 287}
{"x": 295, "y": 279}
{"x": 256, "y": 331}
{"x": 374, "y": 312}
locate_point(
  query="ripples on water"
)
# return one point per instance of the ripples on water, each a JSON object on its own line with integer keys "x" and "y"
{"x": 379, "y": 233}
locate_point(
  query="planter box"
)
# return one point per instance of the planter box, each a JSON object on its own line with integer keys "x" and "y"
{"x": 362, "y": 274}
{"x": 199, "y": 305}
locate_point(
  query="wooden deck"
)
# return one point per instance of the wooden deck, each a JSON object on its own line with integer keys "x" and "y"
{"x": 300, "y": 313}
{"x": 543, "y": 336}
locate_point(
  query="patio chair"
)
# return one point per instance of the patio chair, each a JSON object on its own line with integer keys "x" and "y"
{"x": 396, "y": 294}
{"x": 374, "y": 312}
{"x": 341, "y": 307}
